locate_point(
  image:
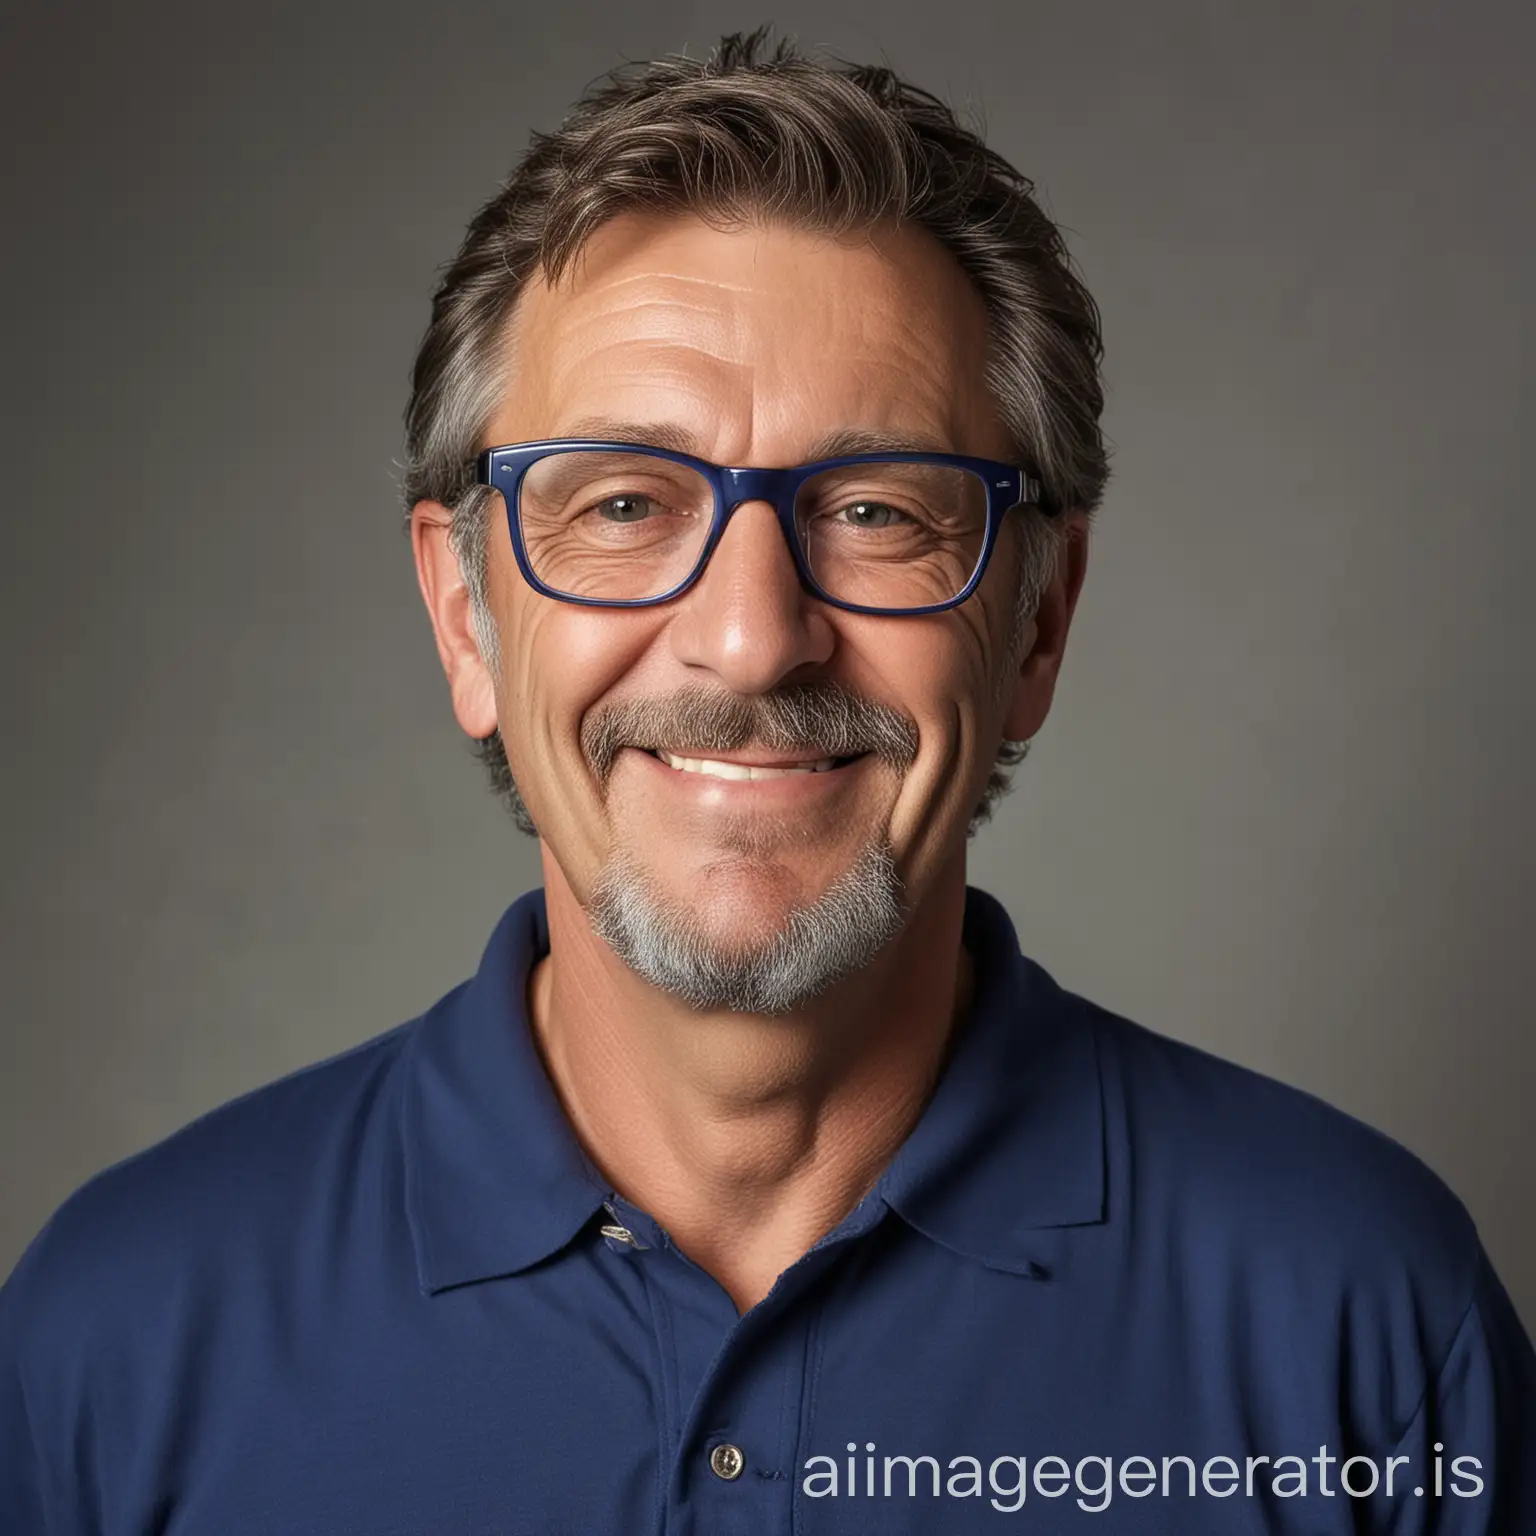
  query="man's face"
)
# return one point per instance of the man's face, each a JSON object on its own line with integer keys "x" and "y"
{"x": 753, "y": 347}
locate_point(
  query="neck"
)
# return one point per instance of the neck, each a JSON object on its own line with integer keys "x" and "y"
{"x": 747, "y": 1137}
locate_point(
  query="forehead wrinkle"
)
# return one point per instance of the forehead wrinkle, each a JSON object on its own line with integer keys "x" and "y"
{"x": 662, "y": 276}
{"x": 662, "y": 322}
{"x": 669, "y": 365}
{"x": 694, "y": 350}
{"x": 648, "y": 362}
{"x": 576, "y": 358}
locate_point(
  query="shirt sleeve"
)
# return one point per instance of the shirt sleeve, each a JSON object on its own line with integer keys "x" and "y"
{"x": 1471, "y": 1448}
{"x": 22, "y": 1499}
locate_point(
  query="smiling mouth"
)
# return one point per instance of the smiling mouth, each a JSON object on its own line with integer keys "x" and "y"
{"x": 715, "y": 769}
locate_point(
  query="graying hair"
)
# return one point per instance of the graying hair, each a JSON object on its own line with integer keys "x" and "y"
{"x": 838, "y": 934}
{"x": 760, "y": 131}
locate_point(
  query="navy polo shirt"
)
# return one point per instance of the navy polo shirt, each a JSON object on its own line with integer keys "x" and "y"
{"x": 1108, "y": 1283}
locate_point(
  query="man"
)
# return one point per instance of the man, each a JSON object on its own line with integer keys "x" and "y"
{"x": 757, "y": 1182}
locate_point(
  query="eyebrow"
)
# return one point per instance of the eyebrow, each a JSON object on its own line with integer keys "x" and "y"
{"x": 848, "y": 441}
{"x": 642, "y": 434}
{"x": 844, "y": 442}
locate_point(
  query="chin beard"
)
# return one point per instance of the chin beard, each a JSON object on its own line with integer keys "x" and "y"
{"x": 814, "y": 947}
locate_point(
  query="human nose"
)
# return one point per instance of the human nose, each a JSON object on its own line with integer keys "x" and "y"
{"x": 747, "y": 618}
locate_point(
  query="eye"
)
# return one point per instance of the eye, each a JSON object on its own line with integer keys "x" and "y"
{"x": 624, "y": 508}
{"x": 871, "y": 514}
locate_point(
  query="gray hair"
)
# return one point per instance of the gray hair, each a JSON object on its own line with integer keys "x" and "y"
{"x": 762, "y": 131}
{"x": 836, "y": 935}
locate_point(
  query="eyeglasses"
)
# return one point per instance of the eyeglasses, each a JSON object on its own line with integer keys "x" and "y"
{"x": 617, "y": 525}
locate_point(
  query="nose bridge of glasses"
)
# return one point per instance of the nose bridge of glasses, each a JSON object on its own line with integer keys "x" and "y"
{"x": 774, "y": 487}
{"x": 744, "y": 485}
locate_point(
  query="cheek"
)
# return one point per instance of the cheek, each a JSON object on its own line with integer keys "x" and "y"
{"x": 949, "y": 684}
{"x": 947, "y": 666}
{"x": 559, "y": 659}
{"x": 940, "y": 671}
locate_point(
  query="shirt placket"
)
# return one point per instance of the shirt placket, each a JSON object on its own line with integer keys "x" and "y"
{"x": 733, "y": 1386}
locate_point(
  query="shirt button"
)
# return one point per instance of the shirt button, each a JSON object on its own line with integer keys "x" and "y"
{"x": 727, "y": 1462}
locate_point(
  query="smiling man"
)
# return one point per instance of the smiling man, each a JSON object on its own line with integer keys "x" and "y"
{"x": 758, "y": 1181}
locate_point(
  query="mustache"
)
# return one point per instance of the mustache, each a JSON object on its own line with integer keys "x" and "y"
{"x": 814, "y": 720}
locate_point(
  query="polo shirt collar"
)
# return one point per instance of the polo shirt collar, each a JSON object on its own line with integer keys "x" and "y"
{"x": 1011, "y": 1141}
{"x": 496, "y": 1180}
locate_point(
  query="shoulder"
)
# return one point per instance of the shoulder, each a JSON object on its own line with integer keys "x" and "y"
{"x": 1312, "y": 1204}
{"x": 232, "y": 1187}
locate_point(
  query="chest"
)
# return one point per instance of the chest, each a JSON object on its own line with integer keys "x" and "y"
{"x": 898, "y": 1389}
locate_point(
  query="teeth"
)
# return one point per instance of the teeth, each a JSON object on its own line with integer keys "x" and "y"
{"x": 714, "y": 770}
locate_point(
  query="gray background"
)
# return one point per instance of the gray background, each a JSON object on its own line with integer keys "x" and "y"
{"x": 1281, "y": 807}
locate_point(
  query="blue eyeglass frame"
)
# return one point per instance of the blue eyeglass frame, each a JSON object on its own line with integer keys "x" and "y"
{"x": 503, "y": 469}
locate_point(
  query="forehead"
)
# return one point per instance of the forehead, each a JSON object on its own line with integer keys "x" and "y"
{"x": 753, "y": 336}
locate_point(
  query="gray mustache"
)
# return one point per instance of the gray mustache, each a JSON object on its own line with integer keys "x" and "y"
{"x": 810, "y": 719}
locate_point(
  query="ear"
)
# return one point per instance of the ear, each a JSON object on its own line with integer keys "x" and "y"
{"x": 447, "y": 598}
{"x": 1035, "y": 685}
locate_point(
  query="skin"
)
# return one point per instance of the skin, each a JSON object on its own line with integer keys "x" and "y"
{"x": 748, "y": 1138}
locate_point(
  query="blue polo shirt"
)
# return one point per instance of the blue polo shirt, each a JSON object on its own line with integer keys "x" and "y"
{"x": 1108, "y": 1283}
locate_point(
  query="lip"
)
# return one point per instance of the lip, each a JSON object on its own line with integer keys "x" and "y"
{"x": 749, "y": 791}
{"x": 751, "y": 759}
